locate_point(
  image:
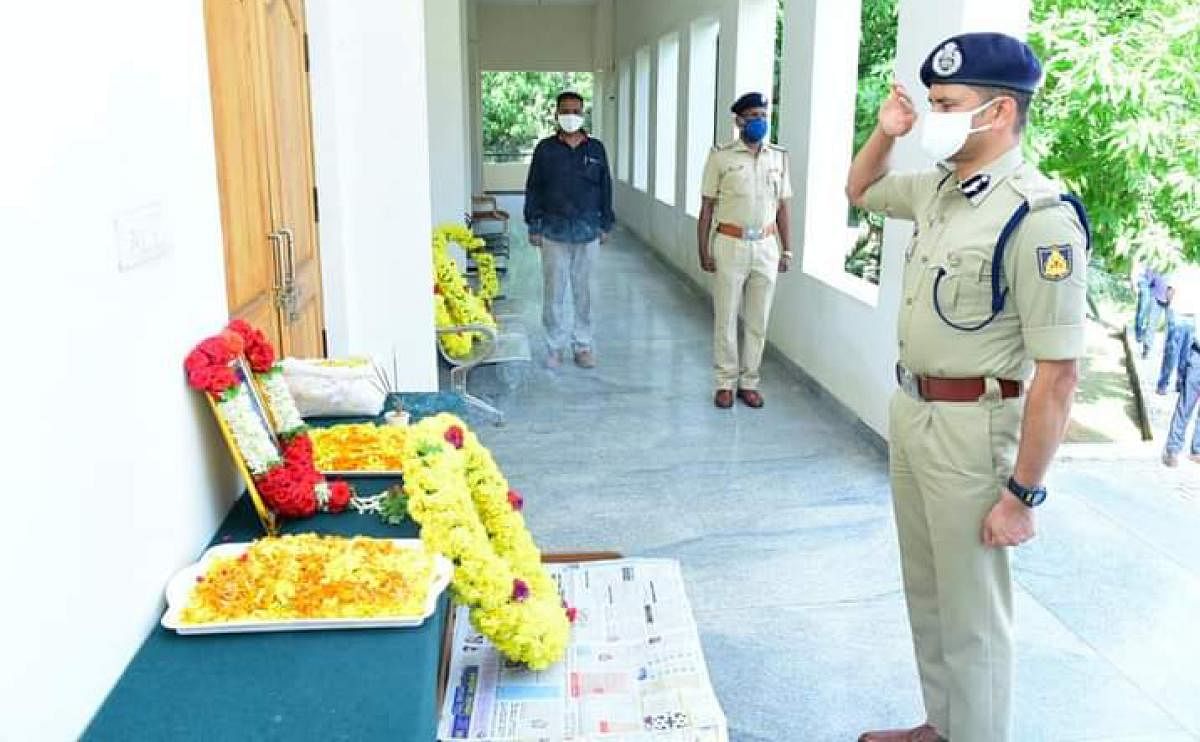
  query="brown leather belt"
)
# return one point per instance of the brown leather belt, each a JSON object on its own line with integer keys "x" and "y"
{"x": 935, "y": 389}
{"x": 743, "y": 233}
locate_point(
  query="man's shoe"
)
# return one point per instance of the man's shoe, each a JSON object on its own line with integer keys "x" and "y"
{"x": 923, "y": 733}
{"x": 751, "y": 398}
{"x": 553, "y": 359}
{"x": 1170, "y": 459}
{"x": 584, "y": 358}
{"x": 724, "y": 399}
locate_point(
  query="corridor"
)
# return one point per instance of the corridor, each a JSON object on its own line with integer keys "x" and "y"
{"x": 782, "y": 521}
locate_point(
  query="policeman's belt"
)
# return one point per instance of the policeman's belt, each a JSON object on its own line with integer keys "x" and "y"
{"x": 934, "y": 389}
{"x": 745, "y": 233}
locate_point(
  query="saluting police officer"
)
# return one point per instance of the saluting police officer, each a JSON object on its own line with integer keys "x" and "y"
{"x": 993, "y": 289}
{"x": 745, "y": 188}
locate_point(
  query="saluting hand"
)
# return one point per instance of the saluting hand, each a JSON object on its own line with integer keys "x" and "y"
{"x": 1009, "y": 523}
{"x": 897, "y": 115}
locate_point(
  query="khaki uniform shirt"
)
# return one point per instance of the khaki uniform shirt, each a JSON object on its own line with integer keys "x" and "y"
{"x": 957, "y": 226}
{"x": 746, "y": 186}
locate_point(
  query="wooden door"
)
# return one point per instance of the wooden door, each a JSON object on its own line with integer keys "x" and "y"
{"x": 285, "y": 65}
{"x": 252, "y": 277}
{"x": 258, "y": 69}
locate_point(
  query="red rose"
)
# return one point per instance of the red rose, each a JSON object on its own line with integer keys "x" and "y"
{"x": 515, "y": 500}
{"x": 201, "y": 377}
{"x": 217, "y": 350}
{"x": 234, "y": 341}
{"x": 261, "y": 357}
{"x": 241, "y": 327}
{"x": 572, "y": 614}
{"x": 195, "y": 360}
{"x": 339, "y": 496}
{"x": 299, "y": 452}
{"x": 222, "y": 378}
{"x": 454, "y": 436}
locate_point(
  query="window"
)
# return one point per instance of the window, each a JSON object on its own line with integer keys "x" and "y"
{"x": 518, "y": 110}
{"x": 701, "y": 105}
{"x": 667, "y": 119}
{"x": 876, "y": 63}
{"x": 641, "y": 124}
{"x": 624, "y": 104}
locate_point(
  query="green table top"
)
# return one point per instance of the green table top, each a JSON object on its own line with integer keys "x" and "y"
{"x": 329, "y": 685}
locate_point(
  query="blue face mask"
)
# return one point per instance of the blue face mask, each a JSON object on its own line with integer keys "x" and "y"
{"x": 755, "y": 130}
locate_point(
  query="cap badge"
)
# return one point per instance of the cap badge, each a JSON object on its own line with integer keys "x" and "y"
{"x": 948, "y": 59}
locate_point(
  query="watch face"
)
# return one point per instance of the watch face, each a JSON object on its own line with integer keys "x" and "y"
{"x": 1037, "y": 496}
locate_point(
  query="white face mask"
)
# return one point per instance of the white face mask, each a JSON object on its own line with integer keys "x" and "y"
{"x": 943, "y": 134}
{"x": 570, "y": 122}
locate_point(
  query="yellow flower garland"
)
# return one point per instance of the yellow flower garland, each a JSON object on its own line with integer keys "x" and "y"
{"x": 358, "y": 447}
{"x": 454, "y": 302}
{"x": 461, "y": 500}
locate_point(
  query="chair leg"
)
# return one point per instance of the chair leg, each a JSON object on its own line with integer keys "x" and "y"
{"x": 458, "y": 383}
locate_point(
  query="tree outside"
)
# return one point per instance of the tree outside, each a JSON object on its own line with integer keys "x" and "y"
{"x": 1117, "y": 121}
{"x": 518, "y": 109}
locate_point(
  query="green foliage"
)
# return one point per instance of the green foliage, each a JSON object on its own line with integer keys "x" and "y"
{"x": 393, "y": 510}
{"x": 1118, "y": 121}
{"x": 876, "y": 70}
{"x": 518, "y": 107}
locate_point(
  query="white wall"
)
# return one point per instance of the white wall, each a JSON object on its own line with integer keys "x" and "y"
{"x": 545, "y": 38}
{"x": 669, "y": 228}
{"x": 116, "y": 477}
{"x": 839, "y": 329}
{"x": 368, "y": 84}
{"x": 447, "y": 111}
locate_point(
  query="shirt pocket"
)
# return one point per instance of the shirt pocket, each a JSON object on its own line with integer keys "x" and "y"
{"x": 964, "y": 292}
{"x": 775, "y": 182}
{"x": 736, "y": 180}
{"x": 593, "y": 169}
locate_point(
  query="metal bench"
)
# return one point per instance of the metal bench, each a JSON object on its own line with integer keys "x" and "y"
{"x": 491, "y": 346}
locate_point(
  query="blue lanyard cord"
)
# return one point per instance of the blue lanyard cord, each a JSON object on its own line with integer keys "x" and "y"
{"x": 999, "y": 295}
{"x": 937, "y": 306}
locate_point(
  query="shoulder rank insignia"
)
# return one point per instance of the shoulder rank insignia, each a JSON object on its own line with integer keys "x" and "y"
{"x": 1054, "y": 262}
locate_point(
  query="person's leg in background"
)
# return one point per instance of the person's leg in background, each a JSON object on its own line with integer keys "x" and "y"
{"x": 555, "y": 274}
{"x": 1189, "y": 394}
{"x": 1152, "y": 311}
{"x": 1144, "y": 300}
{"x": 1172, "y": 349}
{"x": 583, "y": 256}
{"x": 732, "y": 258}
{"x": 760, "y": 292}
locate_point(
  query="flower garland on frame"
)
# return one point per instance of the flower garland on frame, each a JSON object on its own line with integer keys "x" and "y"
{"x": 466, "y": 511}
{"x": 287, "y": 479}
{"x": 454, "y": 302}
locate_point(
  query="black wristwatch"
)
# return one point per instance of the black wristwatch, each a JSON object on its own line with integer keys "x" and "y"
{"x": 1031, "y": 496}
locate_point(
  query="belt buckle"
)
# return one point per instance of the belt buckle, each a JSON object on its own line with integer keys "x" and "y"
{"x": 749, "y": 233}
{"x": 908, "y": 382}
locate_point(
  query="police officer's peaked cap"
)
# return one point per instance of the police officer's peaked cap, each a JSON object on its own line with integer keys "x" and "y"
{"x": 988, "y": 59}
{"x": 749, "y": 100}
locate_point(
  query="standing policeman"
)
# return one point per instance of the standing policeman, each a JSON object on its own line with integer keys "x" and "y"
{"x": 993, "y": 288}
{"x": 745, "y": 188}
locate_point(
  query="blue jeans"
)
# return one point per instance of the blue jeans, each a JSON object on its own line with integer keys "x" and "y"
{"x": 1173, "y": 348}
{"x": 1185, "y": 407}
{"x": 1145, "y": 300}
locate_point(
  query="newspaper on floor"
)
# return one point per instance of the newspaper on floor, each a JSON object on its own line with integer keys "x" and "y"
{"x": 633, "y": 672}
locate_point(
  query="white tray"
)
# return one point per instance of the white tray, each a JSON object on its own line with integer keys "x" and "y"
{"x": 180, "y": 586}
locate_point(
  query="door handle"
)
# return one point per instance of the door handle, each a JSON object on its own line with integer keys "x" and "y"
{"x": 276, "y": 239}
{"x": 291, "y": 299}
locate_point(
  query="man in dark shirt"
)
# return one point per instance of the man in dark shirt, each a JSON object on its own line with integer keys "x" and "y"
{"x": 568, "y": 209}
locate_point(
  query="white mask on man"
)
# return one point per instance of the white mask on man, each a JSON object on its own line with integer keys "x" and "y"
{"x": 570, "y": 122}
{"x": 943, "y": 133}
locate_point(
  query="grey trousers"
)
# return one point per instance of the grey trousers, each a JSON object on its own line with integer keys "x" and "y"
{"x": 567, "y": 267}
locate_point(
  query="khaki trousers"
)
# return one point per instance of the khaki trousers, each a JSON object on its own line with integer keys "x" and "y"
{"x": 744, "y": 268}
{"x": 948, "y": 463}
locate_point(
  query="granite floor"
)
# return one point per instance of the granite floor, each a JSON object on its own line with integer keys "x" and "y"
{"x": 782, "y": 521}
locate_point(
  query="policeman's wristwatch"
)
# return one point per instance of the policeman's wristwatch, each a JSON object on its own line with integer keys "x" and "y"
{"x": 1031, "y": 496}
